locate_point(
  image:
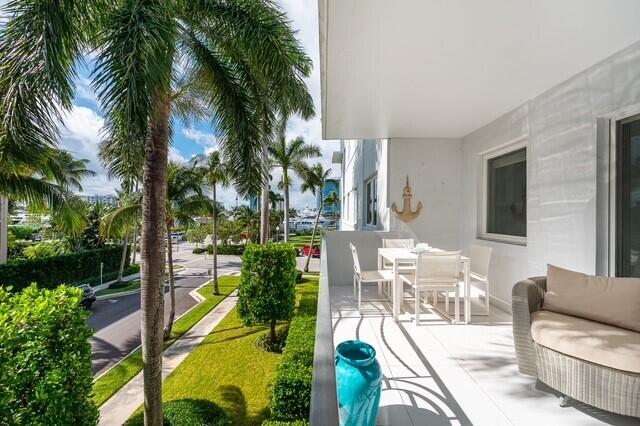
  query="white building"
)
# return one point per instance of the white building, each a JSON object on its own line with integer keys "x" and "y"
{"x": 517, "y": 126}
{"x": 473, "y": 82}
{"x": 101, "y": 199}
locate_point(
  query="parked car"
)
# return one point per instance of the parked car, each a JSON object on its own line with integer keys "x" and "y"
{"x": 88, "y": 295}
{"x": 315, "y": 251}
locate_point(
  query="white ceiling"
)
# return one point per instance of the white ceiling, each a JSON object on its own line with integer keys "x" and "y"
{"x": 443, "y": 68}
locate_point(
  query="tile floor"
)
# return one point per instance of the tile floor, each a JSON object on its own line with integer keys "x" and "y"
{"x": 441, "y": 374}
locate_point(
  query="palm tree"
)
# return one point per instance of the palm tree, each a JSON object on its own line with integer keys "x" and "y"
{"x": 215, "y": 172}
{"x": 288, "y": 157}
{"x": 44, "y": 182}
{"x": 313, "y": 180}
{"x": 183, "y": 201}
{"x": 248, "y": 218}
{"x": 231, "y": 48}
{"x": 332, "y": 200}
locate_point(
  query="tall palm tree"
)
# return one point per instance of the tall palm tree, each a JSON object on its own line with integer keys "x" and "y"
{"x": 290, "y": 157}
{"x": 313, "y": 180}
{"x": 215, "y": 172}
{"x": 184, "y": 200}
{"x": 227, "y": 46}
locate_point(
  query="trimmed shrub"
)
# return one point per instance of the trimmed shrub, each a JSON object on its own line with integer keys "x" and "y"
{"x": 228, "y": 249}
{"x": 298, "y": 277}
{"x": 46, "y": 358}
{"x": 291, "y": 399}
{"x": 267, "y": 284}
{"x": 188, "y": 412}
{"x": 199, "y": 250}
{"x": 129, "y": 270}
{"x": 50, "y": 272}
{"x": 283, "y": 423}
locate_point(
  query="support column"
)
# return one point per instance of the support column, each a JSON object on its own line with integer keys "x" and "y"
{"x": 4, "y": 221}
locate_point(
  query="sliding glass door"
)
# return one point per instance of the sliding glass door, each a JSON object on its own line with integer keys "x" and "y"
{"x": 628, "y": 198}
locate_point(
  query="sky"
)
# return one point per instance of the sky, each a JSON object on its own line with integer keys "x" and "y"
{"x": 81, "y": 130}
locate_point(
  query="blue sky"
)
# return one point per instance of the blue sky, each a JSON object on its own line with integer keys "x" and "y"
{"x": 81, "y": 130}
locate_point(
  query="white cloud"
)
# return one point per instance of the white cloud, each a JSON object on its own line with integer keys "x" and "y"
{"x": 176, "y": 156}
{"x": 304, "y": 19}
{"x": 80, "y": 135}
{"x": 201, "y": 138}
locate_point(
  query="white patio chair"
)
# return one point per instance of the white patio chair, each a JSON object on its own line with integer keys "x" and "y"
{"x": 480, "y": 259}
{"x": 407, "y": 243}
{"x": 361, "y": 277}
{"x": 436, "y": 271}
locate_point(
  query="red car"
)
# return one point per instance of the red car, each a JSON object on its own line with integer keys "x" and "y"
{"x": 315, "y": 251}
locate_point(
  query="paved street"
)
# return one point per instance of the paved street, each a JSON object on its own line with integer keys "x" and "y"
{"x": 117, "y": 320}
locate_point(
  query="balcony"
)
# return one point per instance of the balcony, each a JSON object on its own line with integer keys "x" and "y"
{"x": 435, "y": 373}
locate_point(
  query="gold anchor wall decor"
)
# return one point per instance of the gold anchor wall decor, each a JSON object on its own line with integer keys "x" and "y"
{"x": 406, "y": 215}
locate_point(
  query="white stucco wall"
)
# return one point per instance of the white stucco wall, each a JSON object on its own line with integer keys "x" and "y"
{"x": 561, "y": 164}
{"x": 446, "y": 175}
{"x": 433, "y": 167}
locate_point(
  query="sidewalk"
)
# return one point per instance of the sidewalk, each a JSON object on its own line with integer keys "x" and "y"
{"x": 126, "y": 401}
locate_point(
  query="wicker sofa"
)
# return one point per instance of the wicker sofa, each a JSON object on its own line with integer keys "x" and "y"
{"x": 589, "y": 360}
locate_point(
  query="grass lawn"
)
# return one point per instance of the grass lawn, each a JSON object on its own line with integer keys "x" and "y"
{"x": 119, "y": 375}
{"x": 133, "y": 285}
{"x": 230, "y": 370}
{"x": 301, "y": 240}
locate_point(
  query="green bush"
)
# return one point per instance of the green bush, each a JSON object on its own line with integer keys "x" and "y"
{"x": 199, "y": 250}
{"x": 291, "y": 398}
{"x": 23, "y": 232}
{"x": 284, "y": 423}
{"x": 267, "y": 284}
{"x": 188, "y": 412}
{"x": 46, "y": 358}
{"x": 50, "y": 272}
{"x": 93, "y": 281}
{"x": 298, "y": 277}
{"x": 46, "y": 249}
{"x": 227, "y": 249}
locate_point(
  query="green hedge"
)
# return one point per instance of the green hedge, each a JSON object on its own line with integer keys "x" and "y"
{"x": 45, "y": 356}
{"x": 199, "y": 250}
{"x": 129, "y": 270}
{"x": 50, "y": 272}
{"x": 285, "y": 423}
{"x": 291, "y": 398}
{"x": 187, "y": 412}
{"x": 235, "y": 249}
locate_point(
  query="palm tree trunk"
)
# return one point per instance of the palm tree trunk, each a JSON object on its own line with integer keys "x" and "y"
{"x": 134, "y": 243}
{"x": 172, "y": 288}
{"x": 313, "y": 235}
{"x": 135, "y": 236}
{"x": 285, "y": 187}
{"x": 216, "y": 289}
{"x": 152, "y": 258}
{"x": 123, "y": 258}
{"x": 264, "y": 209}
{"x": 4, "y": 229}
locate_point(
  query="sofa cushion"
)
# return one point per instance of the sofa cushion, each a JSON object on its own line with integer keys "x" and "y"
{"x": 591, "y": 341}
{"x": 614, "y": 301}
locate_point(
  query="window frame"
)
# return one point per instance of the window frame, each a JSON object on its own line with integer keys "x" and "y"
{"x": 507, "y": 148}
{"x": 373, "y": 181}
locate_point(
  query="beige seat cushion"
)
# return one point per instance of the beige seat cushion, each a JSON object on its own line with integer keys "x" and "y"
{"x": 614, "y": 301}
{"x": 591, "y": 341}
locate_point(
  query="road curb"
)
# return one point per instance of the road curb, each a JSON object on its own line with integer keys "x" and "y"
{"x": 122, "y": 293}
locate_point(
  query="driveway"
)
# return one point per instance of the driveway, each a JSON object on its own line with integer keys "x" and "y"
{"x": 116, "y": 320}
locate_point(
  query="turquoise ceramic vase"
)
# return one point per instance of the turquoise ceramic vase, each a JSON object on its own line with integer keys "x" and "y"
{"x": 359, "y": 380}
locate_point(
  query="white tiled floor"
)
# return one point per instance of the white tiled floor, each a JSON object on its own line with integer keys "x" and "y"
{"x": 442, "y": 374}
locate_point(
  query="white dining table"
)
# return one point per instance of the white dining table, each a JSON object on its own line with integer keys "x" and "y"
{"x": 400, "y": 257}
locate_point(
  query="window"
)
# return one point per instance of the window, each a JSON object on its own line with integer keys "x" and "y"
{"x": 627, "y": 223}
{"x": 505, "y": 197}
{"x": 371, "y": 202}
